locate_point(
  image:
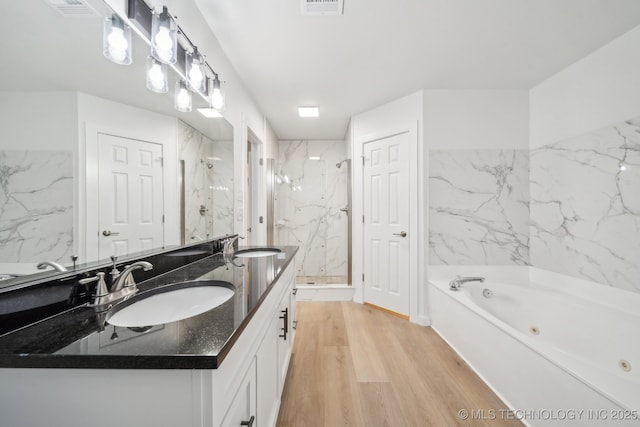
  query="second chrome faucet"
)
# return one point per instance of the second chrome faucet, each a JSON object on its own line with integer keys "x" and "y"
{"x": 122, "y": 283}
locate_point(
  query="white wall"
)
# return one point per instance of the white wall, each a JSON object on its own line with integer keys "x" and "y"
{"x": 599, "y": 90}
{"x": 28, "y": 121}
{"x": 476, "y": 119}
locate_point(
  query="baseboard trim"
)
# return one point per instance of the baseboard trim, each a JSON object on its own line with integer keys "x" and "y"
{"x": 386, "y": 310}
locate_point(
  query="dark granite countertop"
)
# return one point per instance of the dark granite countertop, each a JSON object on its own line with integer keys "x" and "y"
{"x": 81, "y": 338}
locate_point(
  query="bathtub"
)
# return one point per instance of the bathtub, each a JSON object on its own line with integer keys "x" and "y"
{"x": 541, "y": 349}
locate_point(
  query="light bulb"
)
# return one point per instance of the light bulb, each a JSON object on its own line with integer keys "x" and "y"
{"x": 157, "y": 78}
{"x": 217, "y": 99}
{"x": 163, "y": 39}
{"x": 195, "y": 75}
{"x": 117, "y": 40}
{"x": 182, "y": 97}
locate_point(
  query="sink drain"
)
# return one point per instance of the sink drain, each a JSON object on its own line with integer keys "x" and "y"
{"x": 624, "y": 365}
{"x": 487, "y": 293}
{"x": 534, "y": 330}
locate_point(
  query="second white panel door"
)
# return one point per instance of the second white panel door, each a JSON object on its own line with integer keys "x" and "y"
{"x": 386, "y": 223}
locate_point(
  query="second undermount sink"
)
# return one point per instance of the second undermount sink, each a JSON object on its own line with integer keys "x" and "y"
{"x": 170, "y": 303}
{"x": 256, "y": 252}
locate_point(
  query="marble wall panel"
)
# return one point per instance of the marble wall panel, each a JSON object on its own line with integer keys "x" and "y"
{"x": 309, "y": 196}
{"x": 585, "y": 206}
{"x": 478, "y": 207}
{"x": 36, "y": 206}
{"x": 208, "y": 184}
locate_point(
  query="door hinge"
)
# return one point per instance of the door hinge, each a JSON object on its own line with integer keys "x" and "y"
{"x": 362, "y": 160}
{"x": 363, "y": 277}
{"x": 163, "y": 219}
{"x": 261, "y": 162}
{"x": 363, "y": 219}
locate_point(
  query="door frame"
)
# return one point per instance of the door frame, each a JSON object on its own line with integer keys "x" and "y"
{"x": 88, "y": 184}
{"x": 400, "y": 116}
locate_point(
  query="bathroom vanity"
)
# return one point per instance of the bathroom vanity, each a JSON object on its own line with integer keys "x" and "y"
{"x": 223, "y": 367}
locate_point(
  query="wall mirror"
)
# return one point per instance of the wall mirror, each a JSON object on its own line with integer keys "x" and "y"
{"x": 68, "y": 118}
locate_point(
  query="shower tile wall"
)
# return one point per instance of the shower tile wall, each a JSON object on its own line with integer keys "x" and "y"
{"x": 222, "y": 188}
{"x": 208, "y": 184}
{"x": 307, "y": 208}
{"x": 36, "y": 206}
{"x": 478, "y": 207}
{"x": 585, "y": 206}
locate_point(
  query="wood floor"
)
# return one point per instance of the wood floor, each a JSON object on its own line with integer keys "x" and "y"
{"x": 354, "y": 365}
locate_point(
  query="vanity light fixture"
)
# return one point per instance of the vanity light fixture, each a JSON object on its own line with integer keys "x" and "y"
{"x": 314, "y": 157}
{"x": 308, "y": 111}
{"x": 182, "y": 101}
{"x": 216, "y": 97}
{"x": 160, "y": 31}
{"x": 164, "y": 37}
{"x": 116, "y": 40}
{"x": 157, "y": 80}
{"x": 196, "y": 73}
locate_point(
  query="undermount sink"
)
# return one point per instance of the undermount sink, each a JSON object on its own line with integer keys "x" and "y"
{"x": 170, "y": 303}
{"x": 256, "y": 252}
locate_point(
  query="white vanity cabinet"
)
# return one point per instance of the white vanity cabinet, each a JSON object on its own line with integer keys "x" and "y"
{"x": 265, "y": 354}
{"x": 273, "y": 357}
{"x": 246, "y": 388}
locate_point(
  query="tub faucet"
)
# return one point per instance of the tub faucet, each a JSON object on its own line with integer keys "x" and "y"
{"x": 55, "y": 265}
{"x": 455, "y": 284}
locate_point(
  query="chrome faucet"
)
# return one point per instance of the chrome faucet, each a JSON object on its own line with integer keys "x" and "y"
{"x": 123, "y": 286}
{"x": 455, "y": 284}
{"x": 55, "y": 265}
{"x": 228, "y": 250}
{"x": 125, "y": 279}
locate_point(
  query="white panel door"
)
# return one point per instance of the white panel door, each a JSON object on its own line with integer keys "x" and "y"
{"x": 386, "y": 223}
{"x": 130, "y": 192}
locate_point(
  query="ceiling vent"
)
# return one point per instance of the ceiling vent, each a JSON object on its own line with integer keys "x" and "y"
{"x": 322, "y": 7}
{"x": 73, "y": 8}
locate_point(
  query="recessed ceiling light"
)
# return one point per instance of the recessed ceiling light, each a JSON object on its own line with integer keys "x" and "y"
{"x": 308, "y": 111}
{"x": 210, "y": 113}
{"x": 314, "y": 157}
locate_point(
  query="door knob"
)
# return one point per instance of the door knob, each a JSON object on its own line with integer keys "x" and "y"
{"x": 401, "y": 234}
{"x": 108, "y": 233}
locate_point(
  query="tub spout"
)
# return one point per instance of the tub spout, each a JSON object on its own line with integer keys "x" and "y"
{"x": 455, "y": 284}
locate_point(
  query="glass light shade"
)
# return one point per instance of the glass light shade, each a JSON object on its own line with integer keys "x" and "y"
{"x": 157, "y": 80}
{"x": 116, "y": 40}
{"x": 196, "y": 73}
{"x": 164, "y": 37}
{"x": 182, "y": 101}
{"x": 216, "y": 95}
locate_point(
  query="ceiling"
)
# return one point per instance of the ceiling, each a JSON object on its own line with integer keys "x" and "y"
{"x": 382, "y": 50}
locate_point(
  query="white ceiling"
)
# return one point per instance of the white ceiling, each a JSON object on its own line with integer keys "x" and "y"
{"x": 382, "y": 50}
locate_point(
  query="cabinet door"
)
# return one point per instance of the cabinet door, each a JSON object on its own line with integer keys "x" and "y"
{"x": 267, "y": 364}
{"x": 242, "y": 410}
{"x": 284, "y": 340}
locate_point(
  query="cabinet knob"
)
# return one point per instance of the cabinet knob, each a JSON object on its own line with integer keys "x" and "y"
{"x": 248, "y": 423}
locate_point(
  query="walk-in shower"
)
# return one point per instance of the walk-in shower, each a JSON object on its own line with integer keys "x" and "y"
{"x": 312, "y": 205}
